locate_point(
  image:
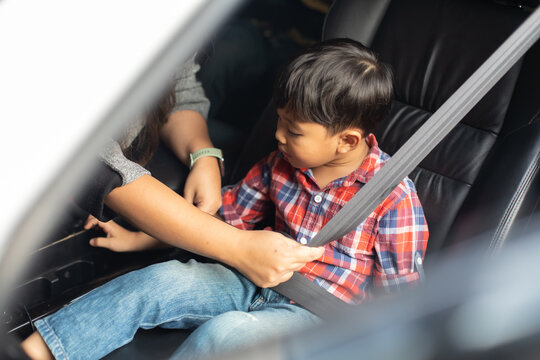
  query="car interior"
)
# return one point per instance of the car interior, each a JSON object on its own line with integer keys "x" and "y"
{"x": 482, "y": 179}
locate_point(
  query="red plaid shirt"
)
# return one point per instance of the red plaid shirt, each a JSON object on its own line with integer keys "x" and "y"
{"x": 378, "y": 253}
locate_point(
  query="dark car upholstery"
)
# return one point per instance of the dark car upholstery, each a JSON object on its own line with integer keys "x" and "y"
{"x": 484, "y": 175}
{"x": 481, "y": 179}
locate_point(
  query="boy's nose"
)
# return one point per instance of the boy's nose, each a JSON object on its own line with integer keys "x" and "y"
{"x": 279, "y": 136}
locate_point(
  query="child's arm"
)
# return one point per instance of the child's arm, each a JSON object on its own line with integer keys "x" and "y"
{"x": 403, "y": 232}
{"x": 248, "y": 202}
{"x": 120, "y": 239}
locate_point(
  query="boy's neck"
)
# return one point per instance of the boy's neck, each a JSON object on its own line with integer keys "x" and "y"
{"x": 342, "y": 165}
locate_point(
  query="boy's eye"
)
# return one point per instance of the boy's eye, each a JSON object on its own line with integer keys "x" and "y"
{"x": 293, "y": 133}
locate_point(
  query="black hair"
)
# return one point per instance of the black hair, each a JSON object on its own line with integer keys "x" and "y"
{"x": 145, "y": 144}
{"x": 338, "y": 83}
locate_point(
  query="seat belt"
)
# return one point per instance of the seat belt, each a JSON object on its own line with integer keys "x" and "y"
{"x": 310, "y": 295}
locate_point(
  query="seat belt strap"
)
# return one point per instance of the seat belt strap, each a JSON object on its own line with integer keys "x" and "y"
{"x": 311, "y": 296}
{"x": 413, "y": 151}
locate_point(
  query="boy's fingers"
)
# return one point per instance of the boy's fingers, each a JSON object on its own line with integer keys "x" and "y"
{"x": 90, "y": 222}
{"x": 106, "y": 243}
{"x": 106, "y": 227}
{"x": 100, "y": 242}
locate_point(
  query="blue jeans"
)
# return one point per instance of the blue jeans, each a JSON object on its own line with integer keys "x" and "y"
{"x": 228, "y": 310}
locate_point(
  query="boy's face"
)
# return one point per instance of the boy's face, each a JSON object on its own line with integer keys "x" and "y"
{"x": 304, "y": 144}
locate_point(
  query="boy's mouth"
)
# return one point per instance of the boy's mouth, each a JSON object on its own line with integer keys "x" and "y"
{"x": 283, "y": 152}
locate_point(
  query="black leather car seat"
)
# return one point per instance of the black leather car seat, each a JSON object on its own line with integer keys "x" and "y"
{"x": 484, "y": 175}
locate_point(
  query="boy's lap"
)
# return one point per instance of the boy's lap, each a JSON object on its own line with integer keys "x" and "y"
{"x": 235, "y": 330}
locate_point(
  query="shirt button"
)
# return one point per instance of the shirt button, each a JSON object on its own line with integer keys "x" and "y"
{"x": 318, "y": 198}
{"x": 303, "y": 241}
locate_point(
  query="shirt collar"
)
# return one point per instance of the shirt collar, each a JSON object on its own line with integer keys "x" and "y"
{"x": 372, "y": 163}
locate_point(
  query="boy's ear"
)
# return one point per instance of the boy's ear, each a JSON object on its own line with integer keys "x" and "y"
{"x": 349, "y": 140}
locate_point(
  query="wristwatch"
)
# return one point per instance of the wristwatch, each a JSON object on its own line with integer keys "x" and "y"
{"x": 215, "y": 152}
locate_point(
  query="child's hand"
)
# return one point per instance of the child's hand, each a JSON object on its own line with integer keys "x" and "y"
{"x": 118, "y": 238}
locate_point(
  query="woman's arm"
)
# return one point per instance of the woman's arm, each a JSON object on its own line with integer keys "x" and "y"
{"x": 186, "y": 132}
{"x": 267, "y": 258}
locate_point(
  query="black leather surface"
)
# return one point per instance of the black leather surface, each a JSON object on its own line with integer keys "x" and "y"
{"x": 151, "y": 344}
{"x": 473, "y": 181}
{"x": 166, "y": 167}
{"x": 92, "y": 197}
{"x": 470, "y": 180}
{"x": 433, "y": 47}
{"x": 483, "y": 176}
{"x": 359, "y": 22}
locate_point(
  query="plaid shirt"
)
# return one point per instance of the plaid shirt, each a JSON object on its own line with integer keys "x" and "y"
{"x": 378, "y": 253}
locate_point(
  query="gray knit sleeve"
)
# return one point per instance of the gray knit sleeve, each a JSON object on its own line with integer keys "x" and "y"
{"x": 113, "y": 156}
{"x": 189, "y": 96}
{"x": 189, "y": 91}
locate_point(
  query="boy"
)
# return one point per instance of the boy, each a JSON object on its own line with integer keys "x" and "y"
{"x": 329, "y": 100}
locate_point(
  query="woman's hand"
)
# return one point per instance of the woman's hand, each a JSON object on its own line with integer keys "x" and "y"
{"x": 270, "y": 258}
{"x": 203, "y": 185}
{"x": 118, "y": 238}
{"x": 184, "y": 133}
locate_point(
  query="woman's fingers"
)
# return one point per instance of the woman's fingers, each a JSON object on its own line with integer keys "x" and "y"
{"x": 203, "y": 185}
{"x": 271, "y": 258}
{"x": 188, "y": 194}
{"x": 304, "y": 254}
{"x": 209, "y": 207}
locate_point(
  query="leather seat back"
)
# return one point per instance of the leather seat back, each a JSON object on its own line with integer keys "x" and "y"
{"x": 433, "y": 46}
{"x": 484, "y": 175}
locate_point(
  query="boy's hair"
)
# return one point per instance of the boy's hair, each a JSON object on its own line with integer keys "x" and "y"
{"x": 337, "y": 83}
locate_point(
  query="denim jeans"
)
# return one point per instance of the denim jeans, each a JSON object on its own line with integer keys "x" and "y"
{"x": 228, "y": 310}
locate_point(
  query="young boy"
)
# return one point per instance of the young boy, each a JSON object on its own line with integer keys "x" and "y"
{"x": 329, "y": 100}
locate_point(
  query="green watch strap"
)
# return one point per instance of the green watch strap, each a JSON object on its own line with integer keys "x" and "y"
{"x": 215, "y": 152}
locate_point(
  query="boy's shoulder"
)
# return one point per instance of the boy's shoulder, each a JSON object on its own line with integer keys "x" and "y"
{"x": 404, "y": 189}
{"x": 276, "y": 162}
{"x": 269, "y": 167}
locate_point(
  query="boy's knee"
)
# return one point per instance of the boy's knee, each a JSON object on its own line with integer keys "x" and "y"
{"x": 229, "y": 331}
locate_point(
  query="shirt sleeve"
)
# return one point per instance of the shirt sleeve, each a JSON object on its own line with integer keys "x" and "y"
{"x": 128, "y": 170}
{"x": 188, "y": 90}
{"x": 111, "y": 171}
{"x": 247, "y": 203}
{"x": 91, "y": 196}
{"x": 403, "y": 232}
